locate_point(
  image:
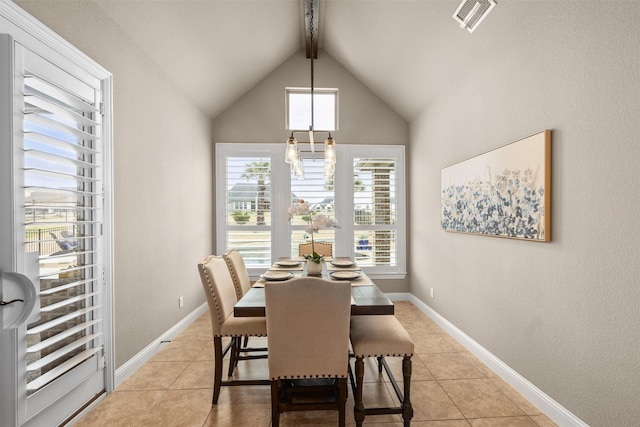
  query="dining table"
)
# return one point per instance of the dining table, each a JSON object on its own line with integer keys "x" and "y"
{"x": 366, "y": 297}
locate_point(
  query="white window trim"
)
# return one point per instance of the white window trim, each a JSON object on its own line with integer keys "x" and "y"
{"x": 281, "y": 190}
{"x": 316, "y": 91}
{"x": 344, "y": 172}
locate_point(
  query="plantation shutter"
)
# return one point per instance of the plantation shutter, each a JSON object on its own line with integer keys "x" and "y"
{"x": 63, "y": 220}
{"x": 247, "y": 208}
{"x": 319, "y": 194}
{"x": 375, "y": 216}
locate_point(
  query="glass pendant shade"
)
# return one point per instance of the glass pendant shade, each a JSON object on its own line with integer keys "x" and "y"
{"x": 329, "y": 151}
{"x": 297, "y": 168}
{"x": 328, "y": 171}
{"x": 291, "y": 152}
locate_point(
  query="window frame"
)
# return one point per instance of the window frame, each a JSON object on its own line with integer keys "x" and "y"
{"x": 344, "y": 200}
{"x": 316, "y": 91}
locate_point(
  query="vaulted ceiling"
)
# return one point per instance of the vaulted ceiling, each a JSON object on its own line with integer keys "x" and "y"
{"x": 216, "y": 50}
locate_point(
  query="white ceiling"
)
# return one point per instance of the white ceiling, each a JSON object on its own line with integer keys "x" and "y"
{"x": 216, "y": 50}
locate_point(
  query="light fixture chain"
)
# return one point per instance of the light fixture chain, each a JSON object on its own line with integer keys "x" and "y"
{"x": 312, "y": 55}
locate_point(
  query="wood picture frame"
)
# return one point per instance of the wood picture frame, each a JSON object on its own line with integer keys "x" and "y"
{"x": 505, "y": 192}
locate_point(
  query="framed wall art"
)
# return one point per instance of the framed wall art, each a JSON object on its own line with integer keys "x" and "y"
{"x": 505, "y": 192}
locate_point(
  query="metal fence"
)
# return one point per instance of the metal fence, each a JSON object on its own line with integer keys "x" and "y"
{"x": 47, "y": 241}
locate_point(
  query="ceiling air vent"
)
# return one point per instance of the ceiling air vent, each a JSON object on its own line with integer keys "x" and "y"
{"x": 470, "y": 13}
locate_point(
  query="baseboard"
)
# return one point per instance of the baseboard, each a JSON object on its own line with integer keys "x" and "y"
{"x": 133, "y": 364}
{"x": 542, "y": 401}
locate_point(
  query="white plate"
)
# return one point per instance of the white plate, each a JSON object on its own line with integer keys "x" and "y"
{"x": 277, "y": 275}
{"x": 342, "y": 263}
{"x": 288, "y": 263}
{"x": 345, "y": 275}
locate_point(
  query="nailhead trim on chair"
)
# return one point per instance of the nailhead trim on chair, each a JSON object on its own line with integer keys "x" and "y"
{"x": 287, "y": 377}
{"x": 213, "y": 294}
{"x": 238, "y": 336}
{"x": 234, "y": 275}
{"x": 385, "y": 355}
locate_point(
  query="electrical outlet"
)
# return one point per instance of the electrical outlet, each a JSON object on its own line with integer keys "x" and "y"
{"x": 180, "y": 302}
{"x": 431, "y": 292}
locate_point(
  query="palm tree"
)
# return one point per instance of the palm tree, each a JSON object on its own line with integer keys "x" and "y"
{"x": 260, "y": 172}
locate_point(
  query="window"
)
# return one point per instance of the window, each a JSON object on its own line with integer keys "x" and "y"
{"x": 325, "y": 109}
{"x": 374, "y": 212}
{"x": 246, "y": 208}
{"x": 366, "y": 197}
{"x": 320, "y": 197}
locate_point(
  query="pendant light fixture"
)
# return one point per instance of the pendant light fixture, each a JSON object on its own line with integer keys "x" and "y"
{"x": 292, "y": 153}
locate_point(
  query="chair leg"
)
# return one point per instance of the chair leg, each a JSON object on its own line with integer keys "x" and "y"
{"x": 233, "y": 358}
{"x": 217, "y": 374}
{"x": 275, "y": 403}
{"x": 358, "y": 409}
{"x": 407, "y": 409}
{"x": 342, "y": 402}
{"x": 380, "y": 359}
{"x": 246, "y": 341}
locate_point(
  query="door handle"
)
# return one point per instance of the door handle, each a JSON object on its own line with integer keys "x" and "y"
{"x": 22, "y": 290}
{"x": 11, "y": 302}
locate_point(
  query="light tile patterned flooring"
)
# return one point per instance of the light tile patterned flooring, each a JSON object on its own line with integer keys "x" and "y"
{"x": 450, "y": 388}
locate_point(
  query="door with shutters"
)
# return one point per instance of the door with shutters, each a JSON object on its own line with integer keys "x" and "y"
{"x": 54, "y": 246}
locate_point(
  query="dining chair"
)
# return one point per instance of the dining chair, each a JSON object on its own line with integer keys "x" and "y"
{"x": 241, "y": 283}
{"x": 380, "y": 337}
{"x": 221, "y": 298}
{"x": 238, "y": 271}
{"x": 308, "y": 326}
{"x": 322, "y": 248}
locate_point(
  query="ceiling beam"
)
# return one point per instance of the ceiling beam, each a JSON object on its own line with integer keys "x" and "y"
{"x": 308, "y": 5}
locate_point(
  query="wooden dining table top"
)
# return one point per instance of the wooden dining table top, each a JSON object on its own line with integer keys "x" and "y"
{"x": 367, "y": 298}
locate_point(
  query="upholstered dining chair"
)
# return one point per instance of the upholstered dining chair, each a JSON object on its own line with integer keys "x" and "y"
{"x": 308, "y": 327}
{"x": 221, "y": 298}
{"x": 322, "y": 248}
{"x": 380, "y": 337}
{"x": 241, "y": 283}
{"x": 238, "y": 271}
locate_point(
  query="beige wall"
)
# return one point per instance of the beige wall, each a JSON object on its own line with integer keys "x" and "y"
{"x": 563, "y": 314}
{"x": 163, "y": 179}
{"x": 259, "y": 115}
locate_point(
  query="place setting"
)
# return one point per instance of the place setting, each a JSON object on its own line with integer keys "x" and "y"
{"x": 274, "y": 276}
{"x": 287, "y": 265}
{"x": 342, "y": 264}
{"x": 345, "y": 275}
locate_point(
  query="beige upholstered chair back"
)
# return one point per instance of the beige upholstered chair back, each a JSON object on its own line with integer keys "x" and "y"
{"x": 308, "y": 328}
{"x": 219, "y": 289}
{"x": 322, "y": 248}
{"x": 239, "y": 273}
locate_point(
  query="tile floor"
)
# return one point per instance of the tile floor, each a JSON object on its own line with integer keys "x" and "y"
{"x": 450, "y": 388}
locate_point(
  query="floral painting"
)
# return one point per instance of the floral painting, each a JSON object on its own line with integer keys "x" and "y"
{"x": 505, "y": 192}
